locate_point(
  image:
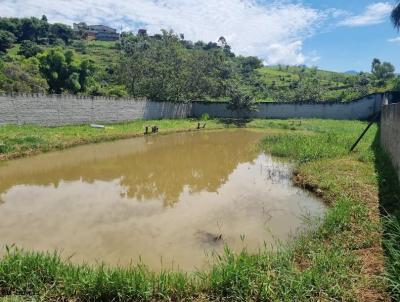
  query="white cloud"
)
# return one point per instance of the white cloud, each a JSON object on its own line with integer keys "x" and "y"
{"x": 394, "y": 40}
{"x": 290, "y": 53}
{"x": 274, "y": 31}
{"x": 374, "y": 14}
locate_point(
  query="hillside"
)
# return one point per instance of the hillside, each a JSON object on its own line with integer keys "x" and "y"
{"x": 335, "y": 86}
{"x": 283, "y": 76}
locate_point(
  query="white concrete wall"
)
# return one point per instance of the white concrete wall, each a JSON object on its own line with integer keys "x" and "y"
{"x": 52, "y": 110}
{"x": 390, "y": 133}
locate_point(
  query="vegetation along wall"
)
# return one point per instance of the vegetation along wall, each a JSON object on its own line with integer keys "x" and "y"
{"x": 390, "y": 133}
{"x": 51, "y": 110}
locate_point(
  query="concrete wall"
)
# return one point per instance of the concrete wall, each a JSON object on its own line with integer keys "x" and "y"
{"x": 355, "y": 110}
{"x": 390, "y": 133}
{"x": 51, "y": 110}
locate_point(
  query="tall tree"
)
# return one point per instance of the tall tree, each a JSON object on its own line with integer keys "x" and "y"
{"x": 63, "y": 73}
{"x": 382, "y": 71}
{"x": 61, "y": 31}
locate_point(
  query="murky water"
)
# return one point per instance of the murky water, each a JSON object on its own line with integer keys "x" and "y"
{"x": 165, "y": 199}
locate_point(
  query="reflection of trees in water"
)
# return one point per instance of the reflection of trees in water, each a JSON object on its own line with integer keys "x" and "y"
{"x": 200, "y": 162}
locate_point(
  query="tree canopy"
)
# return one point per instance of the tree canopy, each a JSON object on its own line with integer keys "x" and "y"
{"x": 382, "y": 71}
{"x": 63, "y": 72}
{"x": 166, "y": 67}
{"x": 6, "y": 40}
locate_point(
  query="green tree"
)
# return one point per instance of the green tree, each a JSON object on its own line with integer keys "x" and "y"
{"x": 63, "y": 72}
{"x": 249, "y": 64}
{"x": 30, "y": 29}
{"x": 11, "y": 25}
{"x": 54, "y": 68}
{"x": 396, "y": 84}
{"x": 382, "y": 71}
{"x": 29, "y": 49}
{"x": 241, "y": 102}
{"x": 163, "y": 68}
{"x": 86, "y": 72}
{"x": 61, "y": 31}
{"x": 6, "y": 40}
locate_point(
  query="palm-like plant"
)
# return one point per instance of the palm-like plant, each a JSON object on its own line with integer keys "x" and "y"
{"x": 396, "y": 15}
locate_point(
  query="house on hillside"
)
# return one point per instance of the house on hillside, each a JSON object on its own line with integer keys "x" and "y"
{"x": 96, "y": 32}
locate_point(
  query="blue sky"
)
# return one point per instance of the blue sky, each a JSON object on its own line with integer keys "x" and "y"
{"x": 336, "y": 35}
{"x": 352, "y": 47}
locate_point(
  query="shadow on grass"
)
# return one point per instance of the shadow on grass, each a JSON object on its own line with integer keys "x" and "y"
{"x": 389, "y": 201}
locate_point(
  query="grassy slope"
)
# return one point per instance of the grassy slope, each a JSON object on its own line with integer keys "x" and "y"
{"x": 334, "y": 82}
{"x": 103, "y": 53}
{"x": 342, "y": 260}
{"x": 329, "y": 79}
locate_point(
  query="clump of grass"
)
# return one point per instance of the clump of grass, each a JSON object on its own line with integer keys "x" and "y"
{"x": 305, "y": 148}
{"x": 327, "y": 139}
{"x": 45, "y": 275}
{"x": 391, "y": 244}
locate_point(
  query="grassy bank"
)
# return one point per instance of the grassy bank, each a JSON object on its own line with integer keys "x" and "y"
{"x": 341, "y": 260}
{"x": 18, "y": 141}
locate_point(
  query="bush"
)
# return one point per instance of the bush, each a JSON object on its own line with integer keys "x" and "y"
{"x": 6, "y": 40}
{"x": 29, "y": 49}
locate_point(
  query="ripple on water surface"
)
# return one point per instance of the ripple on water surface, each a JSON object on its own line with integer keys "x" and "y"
{"x": 162, "y": 199}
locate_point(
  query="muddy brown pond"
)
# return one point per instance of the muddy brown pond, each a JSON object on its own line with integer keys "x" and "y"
{"x": 168, "y": 201}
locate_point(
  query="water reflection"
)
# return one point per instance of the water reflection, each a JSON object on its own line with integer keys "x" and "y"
{"x": 149, "y": 168}
{"x": 171, "y": 197}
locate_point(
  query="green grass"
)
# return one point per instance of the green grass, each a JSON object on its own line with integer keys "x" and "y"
{"x": 282, "y": 77}
{"x": 104, "y": 53}
{"x": 338, "y": 86}
{"x": 338, "y": 259}
{"x": 389, "y": 196}
{"x": 392, "y": 250}
{"x": 16, "y": 141}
